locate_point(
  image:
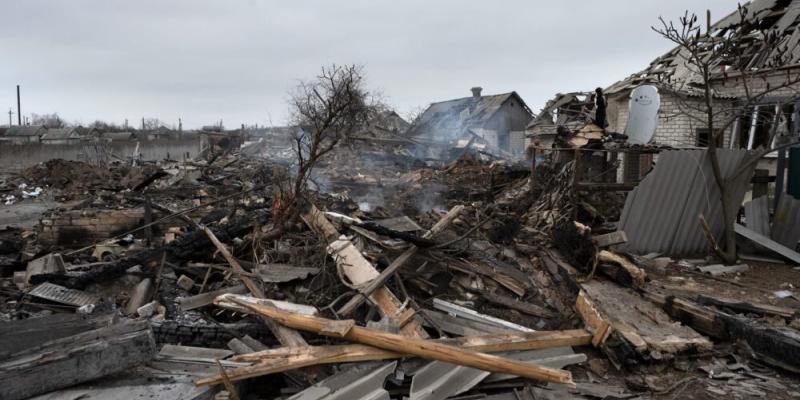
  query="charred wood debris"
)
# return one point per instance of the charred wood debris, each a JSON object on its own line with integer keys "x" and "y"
{"x": 469, "y": 279}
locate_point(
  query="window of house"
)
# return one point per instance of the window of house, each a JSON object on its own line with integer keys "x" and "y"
{"x": 503, "y": 141}
{"x": 755, "y": 128}
{"x": 702, "y": 137}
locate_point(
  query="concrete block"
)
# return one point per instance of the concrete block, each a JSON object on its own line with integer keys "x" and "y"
{"x": 141, "y": 294}
{"x": 49, "y": 264}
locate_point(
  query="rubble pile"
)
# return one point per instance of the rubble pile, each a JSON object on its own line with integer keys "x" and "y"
{"x": 466, "y": 280}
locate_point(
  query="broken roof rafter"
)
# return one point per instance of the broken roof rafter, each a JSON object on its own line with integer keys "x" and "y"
{"x": 749, "y": 25}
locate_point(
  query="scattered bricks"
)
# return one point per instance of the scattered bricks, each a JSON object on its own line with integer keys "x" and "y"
{"x": 83, "y": 227}
{"x": 81, "y": 221}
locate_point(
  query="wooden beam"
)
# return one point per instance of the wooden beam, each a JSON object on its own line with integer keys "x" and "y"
{"x": 288, "y": 358}
{"x": 18, "y": 335}
{"x": 204, "y": 299}
{"x": 398, "y": 263}
{"x": 594, "y": 321}
{"x": 359, "y": 270}
{"x": 627, "y": 273}
{"x": 287, "y": 337}
{"x": 610, "y": 239}
{"x": 76, "y": 359}
{"x": 421, "y": 348}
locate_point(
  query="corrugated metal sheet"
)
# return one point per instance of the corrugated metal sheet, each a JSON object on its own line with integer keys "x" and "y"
{"x": 362, "y": 382}
{"x": 786, "y": 227}
{"x": 439, "y": 380}
{"x": 661, "y": 214}
{"x": 61, "y": 294}
{"x": 756, "y": 214}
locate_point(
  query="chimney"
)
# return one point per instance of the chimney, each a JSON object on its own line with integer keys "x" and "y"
{"x": 476, "y": 92}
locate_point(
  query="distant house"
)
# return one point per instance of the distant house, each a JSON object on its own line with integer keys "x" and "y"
{"x": 498, "y": 120}
{"x": 88, "y": 132}
{"x": 162, "y": 132}
{"x": 24, "y": 134}
{"x": 572, "y": 110}
{"x": 386, "y": 125}
{"x": 117, "y": 136}
{"x": 61, "y": 136}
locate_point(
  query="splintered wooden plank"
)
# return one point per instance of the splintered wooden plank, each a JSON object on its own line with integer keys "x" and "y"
{"x": 428, "y": 349}
{"x": 21, "y": 334}
{"x": 286, "y": 336}
{"x": 610, "y": 239}
{"x": 283, "y": 359}
{"x": 204, "y": 299}
{"x": 358, "y": 270}
{"x": 595, "y": 322}
{"x": 398, "y": 263}
{"x": 75, "y": 359}
{"x": 639, "y": 321}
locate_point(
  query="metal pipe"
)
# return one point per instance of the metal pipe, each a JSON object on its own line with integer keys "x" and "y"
{"x": 19, "y": 110}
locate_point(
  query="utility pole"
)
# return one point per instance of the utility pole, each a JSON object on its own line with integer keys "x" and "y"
{"x": 10, "y": 113}
{"x": 180, "y": 125}
{"x": 142, "y": 123}
{"x": 19, "y": 111}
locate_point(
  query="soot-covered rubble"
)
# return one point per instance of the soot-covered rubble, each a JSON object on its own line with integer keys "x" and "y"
{"x": 468, "y": 279}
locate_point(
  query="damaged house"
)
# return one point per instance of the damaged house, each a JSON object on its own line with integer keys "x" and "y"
{"x": 61, "y": 136}
{"x": 24, "y": 134}
{"x": 680, "y": 87}
{"x": 494, "y": 124}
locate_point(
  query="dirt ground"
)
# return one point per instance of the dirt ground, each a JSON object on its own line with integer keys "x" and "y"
{"x": 757, "y": 284}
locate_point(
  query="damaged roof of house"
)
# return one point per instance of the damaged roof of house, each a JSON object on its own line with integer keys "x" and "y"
{"x": 60, "y": 134}
{"x": 782, "y": 16}
{"x": 460, "y": 114}
{"x": 573, "y": 110}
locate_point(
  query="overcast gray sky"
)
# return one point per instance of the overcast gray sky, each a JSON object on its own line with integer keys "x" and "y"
{"x": 236, "y": 60}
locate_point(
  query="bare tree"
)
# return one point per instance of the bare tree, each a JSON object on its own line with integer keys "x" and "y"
{"x": 324, "y": 111}
{"x": 151, "y": 124}
{"x": 413, "y": 115}
{"x": 48, "y": 120}
{"x": 716, "y": 57}
{"x": 105, "y": 126}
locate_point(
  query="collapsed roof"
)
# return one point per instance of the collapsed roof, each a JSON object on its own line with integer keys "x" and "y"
{"x": 778, "y": 16}
{"x": 453, "y": 117}
{"x": 572, "y": 110}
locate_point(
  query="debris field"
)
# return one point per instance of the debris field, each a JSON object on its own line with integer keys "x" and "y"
{"x": 468, "y": 279}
